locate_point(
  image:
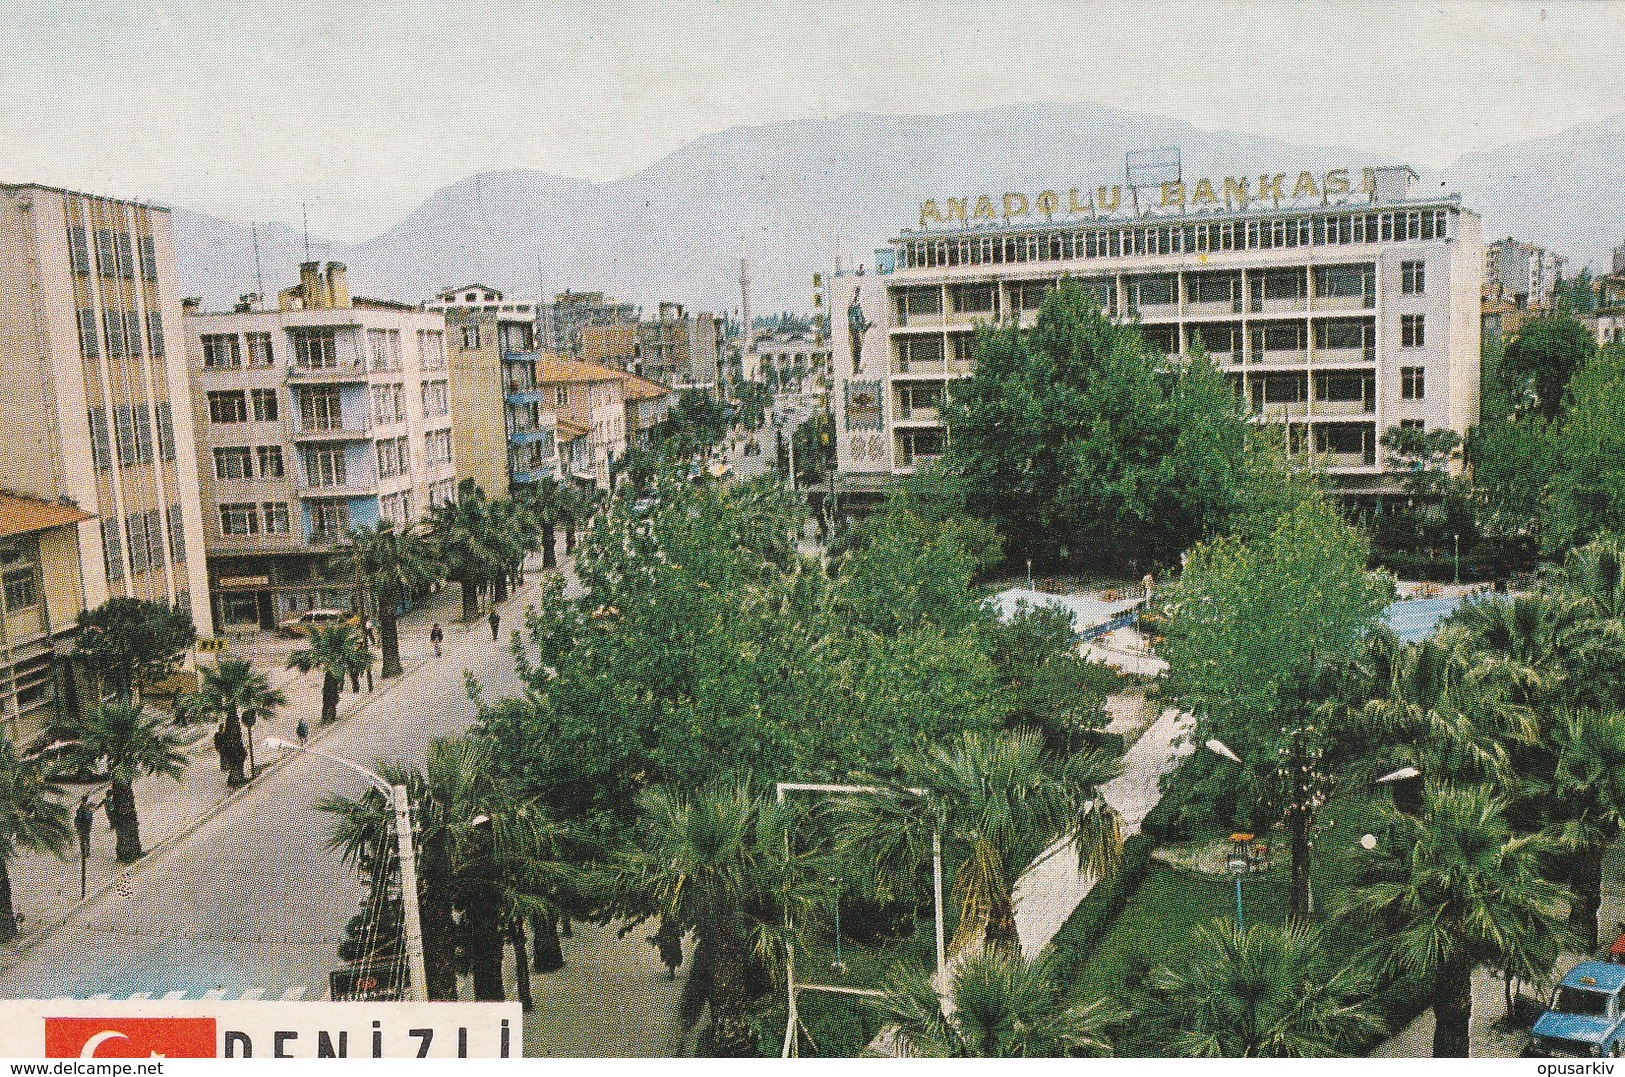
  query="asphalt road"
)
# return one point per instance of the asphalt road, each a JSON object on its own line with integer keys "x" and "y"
{"x": 253, "y": 898}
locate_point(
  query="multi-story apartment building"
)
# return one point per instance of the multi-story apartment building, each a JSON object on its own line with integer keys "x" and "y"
{"x": 648, "y": 406}
{"x": 790, "y": 356}
{"x": 42, "y": 593}
{"x": 470, "y": 297}
{"x": 679, "y": 348}
{"x": 93, "y": 382}
{"x": 1611, "y": 302}
{"x": 611, "y": 345}
{"x": 562, "y": 324}
{"x": 501, "y": 427}
{"x": 1522, "y": 274}
{"x": 324, "y": 416}
{"x": 585, "y": 396}
{"x": 1339, "y": 312}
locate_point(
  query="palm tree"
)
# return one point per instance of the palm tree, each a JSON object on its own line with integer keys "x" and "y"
{"x": 32, "y": 819}
{"x": 511, "y": 538}
{"x": 1595, "y": 574}
{"x": 1266, "y": 992}
{"x": 463, "y": 541}
{"x": 999, "y": 1006}
{"x": 1586, "y": 795}
{"x": 576, "y": 508}
{"x": 132, "y": 744}
{"x": 545, "y": 503}
{"x": 391, "y": 564}
{"x": 240, "y": 695}
{"x": 338, "y": 652}
{"x": 1527, "y": 640}
{"x": 714, "y": 864}
{"x": 1001, "y": 799}
{"x": 1454, "y": 888}
{"x": 485, "y": 861}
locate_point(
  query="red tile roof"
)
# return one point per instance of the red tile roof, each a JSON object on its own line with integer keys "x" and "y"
{"x": 26, "y": 515}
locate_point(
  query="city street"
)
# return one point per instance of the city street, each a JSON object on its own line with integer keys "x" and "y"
{"x": 252, "y": 902}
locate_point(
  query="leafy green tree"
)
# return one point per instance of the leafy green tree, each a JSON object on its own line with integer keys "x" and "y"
{"x": 1266, "y": 992}
{"x": 132, "y": 744}
{"x": 714, "y": 864}
{"x": 465, "y": 541}
{"x": 32, "y": 820}
{"x": 130, "y": 641}
{"x": 544, "y": 501}
{"x": 1512, "y": 460}
{"x": 1541, "y": 358}
{"x": 1577, "y": 296}
{"x": 1453, "y": 888}
{"x": 998, "y": 1006}
{"x": 1586, "y": 795}
{"x": 337, "y": 651}
{"x": 1587, "y": 495}
{"x": 240, "y": 696}
{"x": 1423, "y": 458}
{"x": 389, "y": 565}
{"x": 1076, "y": 436}
{"x": 1253, "y": 627}
{"x": 998, "y": 802}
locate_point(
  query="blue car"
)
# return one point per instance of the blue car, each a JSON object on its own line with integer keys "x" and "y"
{"x": 1584, "y": 1019}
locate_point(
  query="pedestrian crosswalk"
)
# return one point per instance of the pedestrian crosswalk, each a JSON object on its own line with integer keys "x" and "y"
{"x": 291, "y": 993}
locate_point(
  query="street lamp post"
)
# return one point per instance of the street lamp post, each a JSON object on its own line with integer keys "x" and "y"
{"x": 416, "y": 969}
{"x": 1457, "y": 538}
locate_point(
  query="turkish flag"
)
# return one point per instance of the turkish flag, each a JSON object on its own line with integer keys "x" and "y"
{"x": 130, "y": 1037}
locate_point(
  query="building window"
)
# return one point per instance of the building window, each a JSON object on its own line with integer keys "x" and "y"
{"x": 385, "y": 348}
{"x": 276, "y": 518}
{"x": 239, "y": 519}
{"x": 113, "y": 323}
{"x": 166, "y": 431}
{"x": 221, "y": 351}
{"x": 265, "y": 405}
{"x": 388, "y": 461}
{"x": 329, "y": 521}
{"x": 112, "y": 550}
{"x": 259, "y": 350}
{"x": 438, "y": 445}
{"x": 1411, "y": 331}
{"x": 1413, "y": 424}
{"x": 1412, "y": 278}
{"x": 320, "y": 409}
{"x": 228, "y": 407}
{"x": 142, "y": 542}
{"x": 471, "y": 336}
{"x": 233, "y": 464}
{"x": 101, "y": 452}
{"x": 436, "y": 399}
{"x": 1412, "y": 383}
{"x": 561, "y": 396}
{"x": 20, "y": 590}
{"x": 155, "y": 330}
{"x": 78, "y": 249}
{"x": 177, "y": 537}
{"x": 269, "y": 459}
{"x": 442, "y": 493}
{"x": 432, "y": 349}
{"x": 315, "y": 349}
{"x": 149, "y": 258}
{"x": 325, "y": 467}
{"x": 89, "y": 346}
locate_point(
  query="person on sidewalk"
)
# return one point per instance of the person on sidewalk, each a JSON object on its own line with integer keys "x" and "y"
{"x": 436, "y": 637}
{"x": 496, "y": 623}
{"x": 302, "y": 731}
{"x": 84, "y": 820}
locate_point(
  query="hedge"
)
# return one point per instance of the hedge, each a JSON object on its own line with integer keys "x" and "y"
{"x": 1073, "y": 943}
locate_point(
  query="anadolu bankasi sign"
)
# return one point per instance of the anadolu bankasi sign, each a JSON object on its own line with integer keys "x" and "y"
{"x": 1221, "y": 192}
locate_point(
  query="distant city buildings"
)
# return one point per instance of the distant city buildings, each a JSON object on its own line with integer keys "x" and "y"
{"x": 1522, "y": 274}
{"x": 561, "y": 325}
{"x": 1611, "y": 301}
{"x": 98, "y": 457}
{"x": 323, "y": 416}
{"x": 1349, "y": 306}
{"x": 477, "y": 297}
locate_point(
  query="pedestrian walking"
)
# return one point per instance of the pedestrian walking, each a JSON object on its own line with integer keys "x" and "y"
{"x": 366, "y": 632}
{"x": 436, "y": 637}
{"x": 220, "y": 745}
{"x": 84, "y": 820}
{"x": 496, "y": 623}
{"x": 302, "y": 731}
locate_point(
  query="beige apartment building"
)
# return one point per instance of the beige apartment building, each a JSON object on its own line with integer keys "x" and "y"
{"x": 42, "y": 593}
{"x": 93, "y": 385}
{"x": 1339, "y": 306}
{"x": 324, "y": 416}
{"x": 585, "y": 396}
{"x": 502, "y": 427}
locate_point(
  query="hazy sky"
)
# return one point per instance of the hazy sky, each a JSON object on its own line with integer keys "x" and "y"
{"x": 247, "y": 108}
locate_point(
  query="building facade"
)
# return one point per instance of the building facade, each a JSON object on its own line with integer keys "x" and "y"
{"x": 42, "y": 593}
{"x": 587, "y": 397}
{"x": 1522, "y": 274}
{"x": 561, "y": 325}
{"x": 503, "y": 432}
{"x": 1339, "y": 314}
{"x": 322, "y": 417}
{"x": 94, "y": 381}
{"x": 477, "y": 297}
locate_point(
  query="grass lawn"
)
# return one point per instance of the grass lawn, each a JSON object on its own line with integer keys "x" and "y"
{"x": 1155, "y": 924}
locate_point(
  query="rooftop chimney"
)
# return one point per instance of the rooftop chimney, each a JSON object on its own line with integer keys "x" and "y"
{"x": 338, "y": 288}
{"x": 311, "y": 289}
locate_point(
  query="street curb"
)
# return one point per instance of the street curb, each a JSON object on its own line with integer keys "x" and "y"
{"x": 25, "y": 944}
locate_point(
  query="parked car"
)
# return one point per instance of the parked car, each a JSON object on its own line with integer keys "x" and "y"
{"x": 1584, "y": 1019}
{"x": 302, "y": 624}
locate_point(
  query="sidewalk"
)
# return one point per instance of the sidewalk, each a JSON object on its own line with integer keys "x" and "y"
{"x": 45, "y": 890}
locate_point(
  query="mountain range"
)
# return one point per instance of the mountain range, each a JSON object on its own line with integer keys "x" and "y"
{"x": 793, "y": 195}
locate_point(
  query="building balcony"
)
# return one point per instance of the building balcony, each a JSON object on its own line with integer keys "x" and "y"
{"x": 1344, "y": 408}
{"x": 1282, "y": 305}
{"x": 1281, "y": 355}
{"x": 1343, "y": 461}
{"x": 1345, "y": 355}
{"x": 356, "y": 487}
{"x": 330, "y": 432}
{"x": 1157, "y": 312}
{"x": 1345, "y": 302}
{"x": 531, "y": 475}
{"x": 1214, "y": 309}
{"x": 526, "y": 396}
{"x": 927, "y": 416}
{"x": 530, "y": 434}
{"x": 342, "y": 371}
{"x": 918, "y": 460}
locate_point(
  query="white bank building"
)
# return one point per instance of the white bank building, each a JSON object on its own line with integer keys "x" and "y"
{"x": 1340, "y": 303}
